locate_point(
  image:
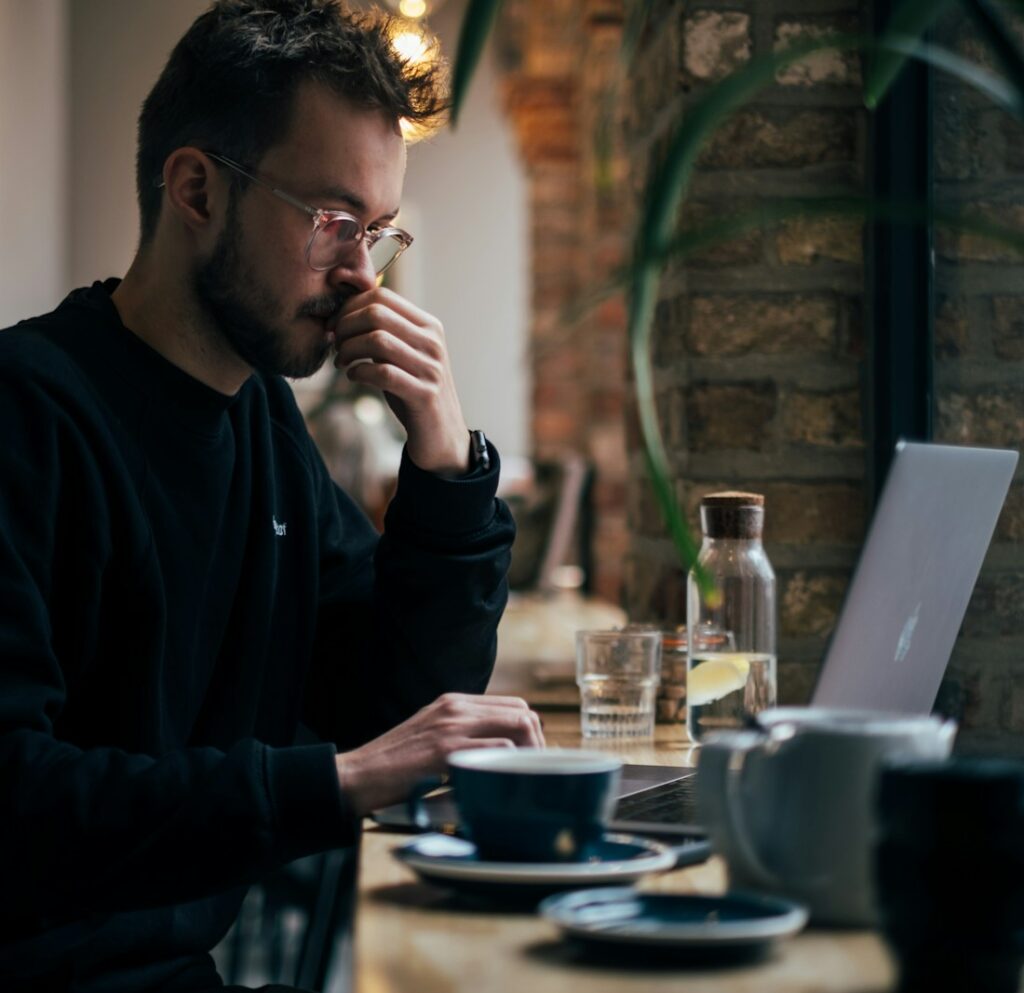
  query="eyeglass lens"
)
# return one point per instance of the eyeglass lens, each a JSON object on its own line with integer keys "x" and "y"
{"x": 385, "y": 251}
{"x": 335, "y": 240}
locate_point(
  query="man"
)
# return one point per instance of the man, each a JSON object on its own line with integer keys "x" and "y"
{"x": 181, "y": 583}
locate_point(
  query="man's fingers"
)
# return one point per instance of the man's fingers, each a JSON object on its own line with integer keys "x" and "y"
{"x": 504, "y": 701}
{"x": 520, "y": 726}
{"x": 466, "y": 714}
{"x": 410, "y": 365}
{"x": 382, "y": 349}
{"x": 537, "y": 733}
{"x": 354, "y": 338}
{"x": 476, "y": 699}
{"x": 399, "y": 304}
{"x": 462, "y": 703}
{"x": 382, "y": 344}
{"x": 391, "y": 379}
{"x": 383, "y": 770}
{"x": 484, "y": 743}
{"x": 380, "y": 317}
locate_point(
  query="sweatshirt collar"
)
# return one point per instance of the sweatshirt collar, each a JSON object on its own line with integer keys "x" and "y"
{"x": 175, "y": 394}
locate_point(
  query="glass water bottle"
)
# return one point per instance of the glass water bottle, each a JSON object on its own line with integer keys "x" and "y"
{"x": 731, "y": 660}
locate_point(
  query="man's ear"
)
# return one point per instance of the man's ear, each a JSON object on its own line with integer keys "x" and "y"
{"x": 195, "y": 191}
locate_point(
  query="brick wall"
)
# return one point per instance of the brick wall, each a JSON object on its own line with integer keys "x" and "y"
{"x": 979, "y": 377}
{"x": 759, "y": 342}
{"x": 562, "y": 58}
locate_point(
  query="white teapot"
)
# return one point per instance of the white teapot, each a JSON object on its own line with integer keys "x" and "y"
{"x": 791, "y": 807}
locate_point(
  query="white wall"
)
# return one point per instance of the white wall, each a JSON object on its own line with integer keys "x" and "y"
{"x": 118, "y": 48}
{"x": 34, "y": 253}
{"x": 73, "y": 75}
{"x": 468, "y": 191}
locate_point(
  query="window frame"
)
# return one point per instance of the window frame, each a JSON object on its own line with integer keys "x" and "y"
{"x": 899, "y": 269}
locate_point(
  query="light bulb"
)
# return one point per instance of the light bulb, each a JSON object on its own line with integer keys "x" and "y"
{"x": 410, "y": 45}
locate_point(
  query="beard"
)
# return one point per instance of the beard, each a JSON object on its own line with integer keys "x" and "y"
{"x": 245, "y": 314}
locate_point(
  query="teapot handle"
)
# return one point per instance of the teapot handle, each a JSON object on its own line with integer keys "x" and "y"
{"x": 777, "y": 740}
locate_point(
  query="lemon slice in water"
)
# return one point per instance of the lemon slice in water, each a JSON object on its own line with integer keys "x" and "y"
{"x": 713, "y": 679}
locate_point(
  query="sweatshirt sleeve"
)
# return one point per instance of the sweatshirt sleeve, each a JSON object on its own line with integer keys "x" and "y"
{"x": 418, "y": 616}
{"x": 93, "y": 829}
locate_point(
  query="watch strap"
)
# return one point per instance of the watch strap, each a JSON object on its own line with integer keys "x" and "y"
{"x": 479, "y": 455}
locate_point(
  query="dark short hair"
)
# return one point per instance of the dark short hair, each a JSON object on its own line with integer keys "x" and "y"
{"x": 230, "y": 82}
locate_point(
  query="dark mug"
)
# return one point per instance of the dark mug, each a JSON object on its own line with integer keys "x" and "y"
{"x": 534, "y": 804}
{"x": 949, "y": 865}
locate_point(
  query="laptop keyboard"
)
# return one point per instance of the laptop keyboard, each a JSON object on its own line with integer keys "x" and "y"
{"x": 669, "y": 803}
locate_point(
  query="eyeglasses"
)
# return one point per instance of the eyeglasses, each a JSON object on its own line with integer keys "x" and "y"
{"x": 335, "y": 232}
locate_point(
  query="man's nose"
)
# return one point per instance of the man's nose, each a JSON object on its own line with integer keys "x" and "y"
{"x": 356, "y": 269}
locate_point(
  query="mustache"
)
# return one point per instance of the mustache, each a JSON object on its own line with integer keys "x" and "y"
{"x": 324, "y": 307}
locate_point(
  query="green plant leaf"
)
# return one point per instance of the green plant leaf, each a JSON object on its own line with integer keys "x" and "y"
{"x": 908, "y": 23}
{"x": 644, "y": 297}
{"x": 861, "y": 207}
{"x": 668, "y": 187}
{"x": 658, "y": 219}
{"x": 477, "y": 23}
{"x": 1000, "y": 37}
{"x": 644, "y": 288}
{"x": 764, "y": 215}
{"x": 637, "y": 16}
{"x": 644, "y": 292}
{"x": 655, "y": 241}
{"x": 1001, "y": 92}
{"x": 655, "y": 235}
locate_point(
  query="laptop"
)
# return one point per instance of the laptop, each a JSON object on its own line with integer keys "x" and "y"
{"x": 903, "y": 609}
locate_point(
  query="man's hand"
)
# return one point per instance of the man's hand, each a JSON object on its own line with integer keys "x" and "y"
{"x": 384, "y": 770}
{"x": 410, "y": 364}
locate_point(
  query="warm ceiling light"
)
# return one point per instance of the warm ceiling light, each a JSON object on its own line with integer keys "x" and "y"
{"x": 410, "y": 45}
{"x": 415, "y": 9}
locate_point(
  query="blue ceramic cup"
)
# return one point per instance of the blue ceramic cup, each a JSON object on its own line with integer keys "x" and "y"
{"x": 534, "y": 804}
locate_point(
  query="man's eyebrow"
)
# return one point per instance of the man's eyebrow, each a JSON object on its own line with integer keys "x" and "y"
{"x": 357, "y": 204}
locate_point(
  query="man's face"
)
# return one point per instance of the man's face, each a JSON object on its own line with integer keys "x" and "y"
{"x": 256, "y": 286}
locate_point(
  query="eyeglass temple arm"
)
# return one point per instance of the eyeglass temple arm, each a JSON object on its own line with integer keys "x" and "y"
{"x": 288, "y": 198}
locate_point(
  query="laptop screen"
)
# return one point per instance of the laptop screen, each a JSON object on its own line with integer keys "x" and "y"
{"x": 918, "y": 567}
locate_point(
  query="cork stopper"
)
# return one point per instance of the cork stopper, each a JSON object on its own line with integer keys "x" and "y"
{"x": 731, "y": 514}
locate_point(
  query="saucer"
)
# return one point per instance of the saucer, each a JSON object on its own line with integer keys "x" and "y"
{"x": 734, "y": 923}
{"x": 455, "y": 863}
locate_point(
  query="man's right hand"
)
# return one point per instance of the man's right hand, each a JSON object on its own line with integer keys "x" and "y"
{"x": 384, "y": 770}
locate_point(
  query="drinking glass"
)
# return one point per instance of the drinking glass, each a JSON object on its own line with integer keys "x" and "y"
{"x": 617, "y": 673}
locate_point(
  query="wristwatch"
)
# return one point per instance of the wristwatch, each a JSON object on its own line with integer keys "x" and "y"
{"x": 479, "y": 456}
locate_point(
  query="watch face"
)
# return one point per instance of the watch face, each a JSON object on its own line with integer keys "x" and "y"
{"x": 479, "y": 456}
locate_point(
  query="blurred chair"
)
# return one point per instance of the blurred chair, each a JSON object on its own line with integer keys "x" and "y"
{"x": 554, "y": 524}
{"x": 297, "y": 926}
{"x": 551, "y": 579}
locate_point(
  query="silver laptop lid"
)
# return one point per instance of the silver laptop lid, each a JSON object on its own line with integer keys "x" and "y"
{"x": 909, "y": 594}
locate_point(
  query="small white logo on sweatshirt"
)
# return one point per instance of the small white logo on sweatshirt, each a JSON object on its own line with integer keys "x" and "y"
{"x": 279, "y": 529}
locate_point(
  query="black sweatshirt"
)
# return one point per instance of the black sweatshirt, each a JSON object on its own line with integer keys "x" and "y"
{"x": 181, "y": 585}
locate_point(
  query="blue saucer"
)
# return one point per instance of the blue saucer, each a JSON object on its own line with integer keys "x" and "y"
{"x": 736, "y": 922}
{"x": 456, "y": 864}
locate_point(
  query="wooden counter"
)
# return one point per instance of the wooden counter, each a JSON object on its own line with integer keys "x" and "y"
{"x": 412, "y": 938}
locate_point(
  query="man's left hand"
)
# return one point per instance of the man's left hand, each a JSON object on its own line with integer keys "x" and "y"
{"x": 409, "y": 363}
